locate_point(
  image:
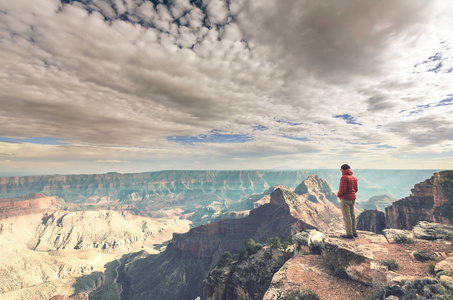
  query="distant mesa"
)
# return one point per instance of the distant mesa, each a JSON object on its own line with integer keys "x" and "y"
{"x": 379, "y": 202}
{"x": 27, "y": 204}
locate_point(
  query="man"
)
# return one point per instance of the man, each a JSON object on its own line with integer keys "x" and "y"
{"x": 346, "y": 193}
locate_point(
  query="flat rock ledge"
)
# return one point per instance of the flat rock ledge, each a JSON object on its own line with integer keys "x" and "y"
{"x": 338, "y": 268}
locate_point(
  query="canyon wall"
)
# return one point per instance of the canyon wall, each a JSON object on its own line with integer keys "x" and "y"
{"x": 27, "y": 204}
{"x": 371, "y": 220}
{"x": 431, "y": 200}
{"x": 45, "y": 251}
{"x": 181, "y": 186}
{"x": 179, "y": 271}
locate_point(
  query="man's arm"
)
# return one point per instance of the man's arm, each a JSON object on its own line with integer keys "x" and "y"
{"x": 343, "y": 187}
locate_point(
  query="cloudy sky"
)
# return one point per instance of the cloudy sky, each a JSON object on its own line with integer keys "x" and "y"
{"x": 138, "y": 85}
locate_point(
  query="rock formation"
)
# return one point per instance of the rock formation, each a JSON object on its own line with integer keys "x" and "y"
{"x": 379, "y": 202}
{"x": 108, "y": 231}
{"x": 69, "y": 259}
{"x": 360, "y": 269}
{"x": 192, "y": 255}
{"x": 431, "y": 200}
{"x": 245, "y": 278}
{"x": 318, "y": 191}
{"x": 433, "y": 231}
{"x": 44, "y": 251}
{"x": 156, "y": 190}
{"x": 311, "y": 204}
{"x": 27, "y": 204}
{"x": 371, "y": 220}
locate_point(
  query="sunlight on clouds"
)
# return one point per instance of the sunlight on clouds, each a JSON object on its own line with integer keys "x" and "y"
{"x": 284, "y": 82}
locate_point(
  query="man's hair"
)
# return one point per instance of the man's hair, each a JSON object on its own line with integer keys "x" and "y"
{"x": 345, "y": 167}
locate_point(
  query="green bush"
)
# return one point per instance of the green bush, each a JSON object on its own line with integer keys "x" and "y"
{"x": 257, "y": 247}
{"x": 290, "y": 241}
{"x": 250, "y": 245}
{"x": 225, "y": 258}
{"x": 390, "y": 264}
{"x": 275, "y": 242}
{"x": 285, "y": 245}
{"x": 290, "y": 253}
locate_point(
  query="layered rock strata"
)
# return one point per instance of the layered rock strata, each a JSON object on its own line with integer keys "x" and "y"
{"x": 191, "y": 256}
{"x": 318, "y": 191}
{"x": 155, "y": 190}
{"x": 310, "y": 204}
{"x": 431, "y": 200}
{"x": 179, "y": 271}
{"x": 27, "y": 204}
{"x": 45, "y": 251}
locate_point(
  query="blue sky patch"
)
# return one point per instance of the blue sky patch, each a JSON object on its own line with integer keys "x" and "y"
{"x": 356, "y": 143}
{"x": 289, "y": 123}
{"x": 348, "y": 118}
{"x": 419, "y": 109}
{"x": 385, "y": 147}
{"x": 436, "y": 57}
{"x": 436, "y": 68}
{"x": 34, "y": 140}
{"x": 304, "y": 139}
{"x": 447, "y": 101}
{"x": 216, "y": 137}
{"x": 260, "y": 128}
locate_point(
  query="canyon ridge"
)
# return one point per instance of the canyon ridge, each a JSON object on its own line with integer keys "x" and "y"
{"x": 98, "y": 236}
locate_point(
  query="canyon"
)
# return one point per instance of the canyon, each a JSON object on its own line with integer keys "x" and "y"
{"x": 189, "y": 257}
{"x": 200, "y": 194}
{"x": 430, "y": 200}
{"x": 98, "y": 236}
{"x": 46, "y": 249}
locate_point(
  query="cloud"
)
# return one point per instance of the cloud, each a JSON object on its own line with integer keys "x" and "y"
{"x": 113, "y": 161}
{"x": 219, "y": 82}
{"x": 333, "y": 40}
{"x": 426, "y": 131}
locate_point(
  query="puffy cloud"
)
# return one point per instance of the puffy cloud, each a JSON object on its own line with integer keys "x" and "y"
{"x": 116, "y": 79}
{"x": 217, "y": 11}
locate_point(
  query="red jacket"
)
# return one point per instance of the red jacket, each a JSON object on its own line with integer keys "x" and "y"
{"x": 348, "y": 186}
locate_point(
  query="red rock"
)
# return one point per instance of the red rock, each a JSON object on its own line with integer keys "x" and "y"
{"x": 431, "y": 200}
{"x": 26, "y": 204}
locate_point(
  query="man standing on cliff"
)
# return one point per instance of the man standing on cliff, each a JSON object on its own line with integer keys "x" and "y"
{"x": 346, "y": 193}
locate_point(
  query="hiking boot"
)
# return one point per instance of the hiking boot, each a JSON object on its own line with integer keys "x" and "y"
{"x": 346, "y": 236}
